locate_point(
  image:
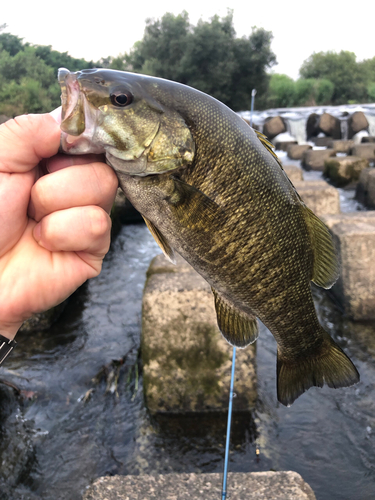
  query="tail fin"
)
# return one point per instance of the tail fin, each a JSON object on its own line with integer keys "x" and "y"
{"x": 329, "y": 365}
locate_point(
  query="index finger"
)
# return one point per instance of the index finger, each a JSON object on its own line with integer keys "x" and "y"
{"x": 25, "y": 140}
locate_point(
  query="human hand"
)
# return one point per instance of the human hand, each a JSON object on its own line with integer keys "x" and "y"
{"x": 55, "y": 228}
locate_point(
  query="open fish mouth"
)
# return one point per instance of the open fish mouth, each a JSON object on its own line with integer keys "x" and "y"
{"x": 78, "y": 118}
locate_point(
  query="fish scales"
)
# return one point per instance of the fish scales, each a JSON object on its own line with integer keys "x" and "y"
{"x": 210, "y": 188}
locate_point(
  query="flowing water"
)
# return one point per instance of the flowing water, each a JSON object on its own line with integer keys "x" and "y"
{"x": 55, "y": 444}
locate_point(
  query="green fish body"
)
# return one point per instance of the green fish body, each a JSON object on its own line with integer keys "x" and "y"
{"x": 210, "y": 188}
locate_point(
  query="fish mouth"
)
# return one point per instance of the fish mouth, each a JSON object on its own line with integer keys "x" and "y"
{"x": 78, "y": 118}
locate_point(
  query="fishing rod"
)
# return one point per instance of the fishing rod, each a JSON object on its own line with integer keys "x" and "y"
{"x": 231, "y": 396}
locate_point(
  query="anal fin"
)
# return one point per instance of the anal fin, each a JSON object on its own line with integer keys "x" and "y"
{"x": 238, "y": 328}
{"x": 161, "y": 241}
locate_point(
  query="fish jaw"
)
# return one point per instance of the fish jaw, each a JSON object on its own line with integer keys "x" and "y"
{"x": 78, "y": 119}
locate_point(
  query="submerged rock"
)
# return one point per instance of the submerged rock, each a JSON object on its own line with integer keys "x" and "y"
{"x": 344, "y": 170}
{"x": 186, "y": 360}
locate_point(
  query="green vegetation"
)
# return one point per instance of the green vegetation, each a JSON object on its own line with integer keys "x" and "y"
{"x": 207, "y": 56}
{"x": 28, "y": 75}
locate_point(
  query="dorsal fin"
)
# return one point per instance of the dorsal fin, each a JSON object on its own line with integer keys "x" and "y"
{"x": 268, "y": 145}
{"x": 238, "y": 328}
{"x": 326, "y": 267}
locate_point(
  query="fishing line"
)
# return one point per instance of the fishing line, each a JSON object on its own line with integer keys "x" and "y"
{"x": 231, "y": 396}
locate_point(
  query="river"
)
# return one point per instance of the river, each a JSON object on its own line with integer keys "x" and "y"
{"x": 75, "y": 429}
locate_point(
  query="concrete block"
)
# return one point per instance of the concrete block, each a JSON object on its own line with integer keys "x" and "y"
{"x": 313, "y": 159}
{"x": 341, "y": 146}
{"x": 354, "y": 235}
{"x": 293, "y": 172}
{"x": 365, "y": 150}
{"x": 319, "y": 196}
{"x": 186, "y": 360}
{"x": 283, "y": 145}
{"x": 295, "y": 152}
{"x": 241, "y": 486}
{"x": 365, "y": 192}
{"x": 345, "y": 169}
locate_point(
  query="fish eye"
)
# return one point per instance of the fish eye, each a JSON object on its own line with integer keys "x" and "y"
{"x": 121, "y": 98}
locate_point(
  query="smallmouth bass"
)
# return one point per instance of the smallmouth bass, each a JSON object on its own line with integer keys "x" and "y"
{"x": 211, "y": 189}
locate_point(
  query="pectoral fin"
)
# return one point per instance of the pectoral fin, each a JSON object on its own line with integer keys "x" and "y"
{"x": 193, "y": 208}
{"x": 238, "y": 328}
{"x": 326, "y": 268}
{"x": 161, "y": 241}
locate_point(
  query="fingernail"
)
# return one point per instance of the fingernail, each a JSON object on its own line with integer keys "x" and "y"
{"x": 56, "y": 114}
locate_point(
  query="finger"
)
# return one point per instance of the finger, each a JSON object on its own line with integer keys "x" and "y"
{"x": 76, "y": 186}
{"x": 78, "y": 229}
{"x": 61, "y": 161}
{"x": 25, "y": 140}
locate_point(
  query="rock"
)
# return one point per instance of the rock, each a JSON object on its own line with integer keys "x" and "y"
{"x": 283, "y": 145}
{"x": 319, "y": 196}
{"x": 296, "y": 152}
{"x": 342, "y": 146}
{"x": 364, "y": 151}
{"x": 323, "y": 142}
{"x": 344, "y": 170}
{"x": 369, "y": 138}
{"x": 354, "y": 235}
{"x": 274, "y": 126}
{"x": 293, "y": 172}
{"x": 357, "y": 122}
{"x": 365, "y": 192}
{"x": 312, "y": 129}
{"x": 313, "y": 159}
{"x": 330, "y": 125}
{"x": 240, "y": 486}
{"x": 186, "y": 360}
{"x": 44, "y": 320}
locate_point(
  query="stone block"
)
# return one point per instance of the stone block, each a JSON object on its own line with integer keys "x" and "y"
{"x": 283, "y": 145}
{"x": 364, "y": 151}
{"x": 313, "y": 159}
{"x": 293, "y": 172}
{"x": 357, "y": 122}
{"x": 295, "y": 152}
{"x": 319, "y": 196}
{"x": 330, "y": 125}
{"x": 369, "y": 138}
{"x": 323, "y": 142}
{"x": 268, "y": 485}
{"x": 354, "y": 236}
{"x": 365, "y": 192}
{"x": 274, "y": 126}
{"x": 186, "y": 360}
{"x": 342, "y": 146}
{"x": 345, "y": 169}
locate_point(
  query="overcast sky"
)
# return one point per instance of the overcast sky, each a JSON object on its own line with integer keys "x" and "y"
{"x": 93, "y": 29}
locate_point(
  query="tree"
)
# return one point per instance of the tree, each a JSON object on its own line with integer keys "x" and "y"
{"x": 342, "y": 70}
{"x": 208, "y": 57}
{"x": 281, "y": 92}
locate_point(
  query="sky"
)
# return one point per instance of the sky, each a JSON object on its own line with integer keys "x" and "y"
{"x": 93, "y": 29}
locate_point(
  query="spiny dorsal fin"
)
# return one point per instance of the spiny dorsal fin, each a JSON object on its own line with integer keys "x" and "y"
{"x": 161, "y": 241}
{"x": 326, "y": 267}
{"x": 238, "y": 328}
{"x": 268, "y": 145}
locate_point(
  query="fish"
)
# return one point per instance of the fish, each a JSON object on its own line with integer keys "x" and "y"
{"x": 211, "y": 189}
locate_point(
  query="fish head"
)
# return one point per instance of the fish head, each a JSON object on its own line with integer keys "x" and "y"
{"x": 119, "y": 114}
